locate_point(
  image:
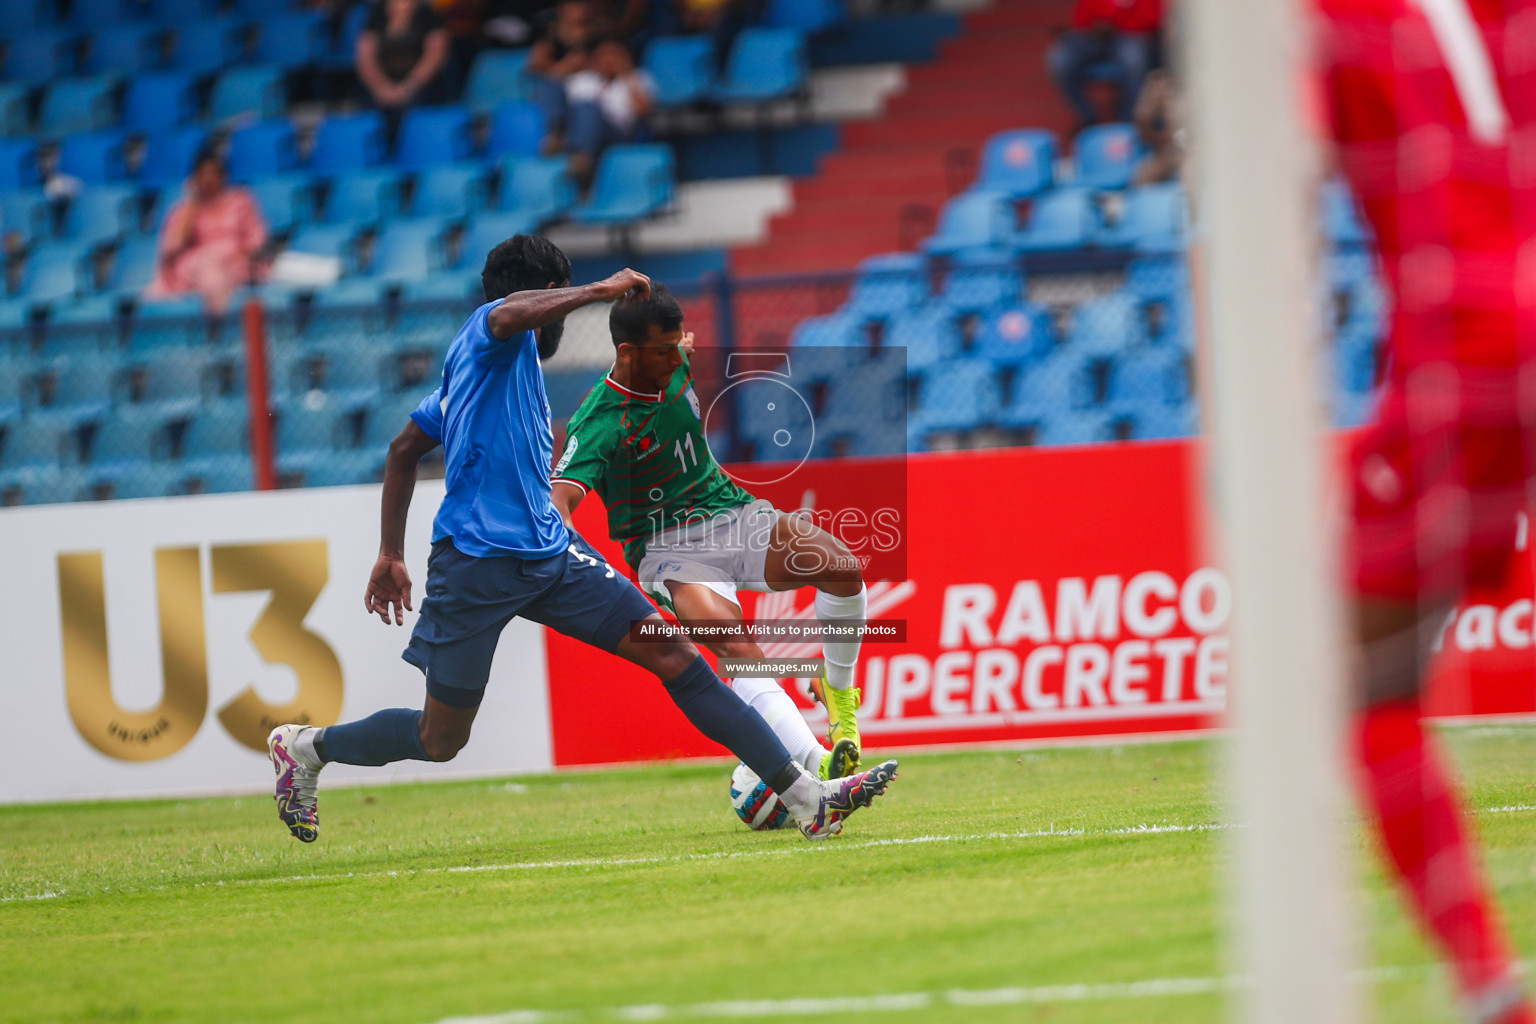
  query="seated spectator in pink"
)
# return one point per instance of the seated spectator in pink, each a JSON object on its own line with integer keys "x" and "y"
{"x": 212, "y": 238}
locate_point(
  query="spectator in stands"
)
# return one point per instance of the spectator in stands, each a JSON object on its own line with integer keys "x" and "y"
{"x": 212, "y": 240}
{"x": 721, "y": 19}
{"x": 516, "y": 22}
{"x": 1115, "y": 39}
{"x": 401, "y": 54}
{"x": 465, "y": 22}
{"x": 1160, "y": 131}
{"x": 563, "y": 51}
{"x": 607, "y": 104}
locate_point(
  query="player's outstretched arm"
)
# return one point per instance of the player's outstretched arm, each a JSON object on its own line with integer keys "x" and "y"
{"x": 389, "y": 586}
{"x": 530, "y": 310}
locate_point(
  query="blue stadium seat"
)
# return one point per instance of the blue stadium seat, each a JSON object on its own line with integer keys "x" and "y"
{"x": 103, "y": 213}
{"x": 682, "y": 67}
{"x": 285, "y": 200}
{"x": 495, "y": 77}
{"x": 1019, "y": 163}
{"x": 348, "y": 142}
{"x": 888, "y": 284}
{"x": 489, "y": 230}
{"x": 805, "y": 15}
{"x": 1160, "y": 423}
{"x": 517, "y": 129}
{"x": 174, "y": 12}
{"x": 261, "y": 151}
{"x": 1105, "y": 155}
{"x": 861, "y": 396}
{"x": 14, "y": 314}
{"x": 82, "y": 383}
{"x": 1341, "y": 221}
{"x": 976, "y": 219}
{"x": 327, "y": 240}
{"x": 1148, "y": 376}
{"x": 54, "y": 271}
{"x": 28, "y": 213}
{"x": 174, "y": 380}
{"x": 1063, "y": 218}
{"x": 1076, "y": 426}
{"x": 40, "y": 439}
{"x": 217, "y": 429}
{"x": 1016, "y": 336}
{"x": 449, "y": 190}
{"x": 18, "y": 164}
{"x": 928, "y": 334}
{"x": 407, "y": 248}
{"x": 92, "y": 312}
{"x": 349, "y": 372}
{"x": 12, "y": 373}
{"x": 539, "y": 186}
{"x": 433, "y": 135}
{"x": 128, "y": 438}
{"x": 836, "y": 330}
{"x": 161, "y": 99}
{"x": 176, "y": 321}
{"x": 1157, "y": 278}
{"x": 959, "y": 394}
{"x": 764, "y": 64}
{"x": 168, "y": 155}
{"x": 1152, "y": 221}
{"x": 1355, "y": 357}
{"x": 1106, "y": 325}
{"x": 1059, "y": 383}
{"x": 247, "y": 93}
{"x": 40, "y": 56}
{"x": 74, "y": 105}
{"x": 126, "y": 49}
{"x": 292, "y": 39}
{"x": 304, "y": 434}
{"x": 91, "y": 14}
{"x": 21, "y": 16}
{"x": 209, "y": 47}
{"x": 93, "y": 157}
{"x": 632, "y": 182}
{"x": 143, "y": 480}
{"x": 364, "y": 197}
{"x": 982, "y": 279}
{"x": 15, "y": 115}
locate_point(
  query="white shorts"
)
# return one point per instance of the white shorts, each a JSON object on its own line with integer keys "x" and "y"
{"x": 726, "y": 553}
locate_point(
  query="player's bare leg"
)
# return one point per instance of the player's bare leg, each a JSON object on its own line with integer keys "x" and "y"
{"x": 802, "y": 554}
{"x": 1417, "y": 812}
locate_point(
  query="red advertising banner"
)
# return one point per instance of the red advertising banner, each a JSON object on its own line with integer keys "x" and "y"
{"x": 1047, "y": 593}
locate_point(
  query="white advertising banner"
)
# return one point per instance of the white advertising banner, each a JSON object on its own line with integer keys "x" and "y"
{"x": 151, "y": 645}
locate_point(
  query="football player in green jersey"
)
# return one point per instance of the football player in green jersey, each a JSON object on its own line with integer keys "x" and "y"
{"x": 693, "y": 535}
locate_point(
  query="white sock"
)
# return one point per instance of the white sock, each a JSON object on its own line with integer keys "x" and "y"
{"x": 803, "y": 797}
{"x": 778, "y": 709}
{"x": 841, "y": 655}
{"x": 304, "y": 747}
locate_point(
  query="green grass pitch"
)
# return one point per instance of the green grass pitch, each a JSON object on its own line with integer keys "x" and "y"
{"x": 635, "y": 894}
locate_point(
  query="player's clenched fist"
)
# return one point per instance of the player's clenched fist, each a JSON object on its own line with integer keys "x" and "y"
{"x": 625, "y": 284}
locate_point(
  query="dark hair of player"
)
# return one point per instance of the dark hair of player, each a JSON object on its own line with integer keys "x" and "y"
{"x": 630, "y": 320}
{"x": 524, "y": 263}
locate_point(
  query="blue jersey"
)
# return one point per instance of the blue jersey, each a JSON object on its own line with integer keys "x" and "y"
{"x": 491, "y": 416}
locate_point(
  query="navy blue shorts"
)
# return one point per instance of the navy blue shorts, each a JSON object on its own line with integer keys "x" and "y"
{"x": 470, "y": 600}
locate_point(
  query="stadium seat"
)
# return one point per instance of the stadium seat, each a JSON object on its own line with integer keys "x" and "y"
{"x": 21, "y": 16}
{"x": 837, "y": 330}
{"x": 261, "y": 151}
{"x": 1019, "y": 163}
{"x": 407, "y": 248}
{"x": 73, "y": 105}
{"x": 335, "y": 240}
{"x": 1063, "y": 218}
{"x": 213, "y": 47}
{"x": 246, "y": 93}
{"x": 1152, "y": 221}
{"x": 538, "y": 186}
{"x": 18, "y": 164}
{"x": 103, "y": 213}
{"x": 959, "y": 394}
{"x": 40, "y": 439}
{"x": 168, "y": 322}
{"x": 449, "y": 190}
{"x": 1148, "y": 376}
{"x": 160, "y": 100}
{"x": 15, "y": 115}
{"x": 82, "y": 320}
{"x": 1104, "y": 156}
{"x": 517, "y": 129}
{"x": 28, "y": 213}
{"x": 1061, "y": 382}
{"x": 15, "y": 314}
{"x": 982, "y": 279}
{"x": 682, "y": 67}
{"x": 1016, "y": 336}
{"x": 285, "y": 201}
{"x": 129, "y": 437}
{"x": 928, "y": 335}
{"x": 1159, "y": 423}
{"x": 40, "y": 56}
{"x": 218, "y": 474}
{"x": 632, "y": 182}
{"x": 495, "y": 77}
{"x": 433, "y": 135}
{"x": 127, "y": 49}
{"x": 348, "y": 372}
{"x": 91, "y": 14}
{"x": 976, "y": 219}
{"x": 305, "y": 434}
{"x": 94, "y": 157}
{"x": 217, "y": 429}
{"x": 888, "y": 284}
{"x": 292, "y": 39}
{"x": 805, "y": 15}
{"x": 1157, "y": 278}
{"x": 144, "y": 480}
{"x": 764, "y": 64}
{"x": 80, "y": 383}
{"x": 1106, "y": 325}
{"x": 489, "y": 230}
{"x": 174, "y": 12}
{"x": 1355, "y": 358}
{"x": 1076, "y": 426}
{"x": 364, "y": 197}
{"x": 1341, "y": 221}
{"x": 348, "y": 142}
{"x": 53, "y": 272}
{"x": 168, "y": 155}
{"x": 171, "y": 380}
{"x": 860, "y": 397}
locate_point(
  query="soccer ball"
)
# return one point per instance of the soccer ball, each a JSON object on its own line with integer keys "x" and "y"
{"x": 755, "y": 804}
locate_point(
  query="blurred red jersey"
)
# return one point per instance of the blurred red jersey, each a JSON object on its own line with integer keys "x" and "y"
{"x": 1433, "y": 108}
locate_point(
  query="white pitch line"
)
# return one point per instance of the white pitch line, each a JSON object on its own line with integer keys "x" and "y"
{"x": 625, "y": 862}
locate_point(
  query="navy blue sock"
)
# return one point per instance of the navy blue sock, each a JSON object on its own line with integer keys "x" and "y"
{"x": 716, "y": 711}
{"x": 393, "y": 734}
